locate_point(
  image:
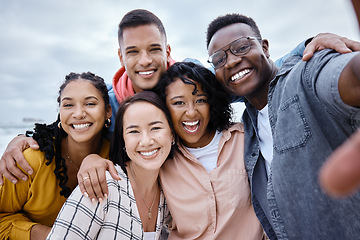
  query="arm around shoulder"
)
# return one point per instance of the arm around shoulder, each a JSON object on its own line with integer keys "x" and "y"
{"x": 12, "y": 155}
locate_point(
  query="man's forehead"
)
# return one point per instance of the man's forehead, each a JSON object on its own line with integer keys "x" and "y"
{"x": 142, "y": 33}
{"x": 228, "y": 34}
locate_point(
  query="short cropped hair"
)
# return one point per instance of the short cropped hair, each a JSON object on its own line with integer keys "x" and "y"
{"x": 228, "y": 19}
{"x": 139, "y": 17}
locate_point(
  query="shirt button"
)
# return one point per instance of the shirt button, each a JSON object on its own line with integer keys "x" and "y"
{"x": 211, "y": 196}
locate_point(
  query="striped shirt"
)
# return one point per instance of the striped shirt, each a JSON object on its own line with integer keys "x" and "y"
{"x": 116, "y": 218}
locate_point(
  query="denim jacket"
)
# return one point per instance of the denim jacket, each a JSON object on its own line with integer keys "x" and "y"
{"x": 308, "y": 121}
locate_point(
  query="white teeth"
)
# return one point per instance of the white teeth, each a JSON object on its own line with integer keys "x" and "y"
{"x": 149, "y": 153}
{"x": 240, "y": 74}
{"x": 194, "y": 130}
{"x": 191, "y": 123}
{"x": 147, "y": 72}
{"x": 81, "y": 126}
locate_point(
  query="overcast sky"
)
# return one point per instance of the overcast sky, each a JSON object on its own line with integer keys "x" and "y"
{"x": 41, "y": 41}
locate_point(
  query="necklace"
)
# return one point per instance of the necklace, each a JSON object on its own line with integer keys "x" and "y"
{"x": 67, "y": 155}
{"x": 152, "y": 204}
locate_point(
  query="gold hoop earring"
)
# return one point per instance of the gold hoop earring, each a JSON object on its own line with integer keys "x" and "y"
{"x": 59, "y": 125}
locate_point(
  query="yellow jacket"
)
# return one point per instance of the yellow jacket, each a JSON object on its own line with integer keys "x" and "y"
{"x": 37, "y": 200}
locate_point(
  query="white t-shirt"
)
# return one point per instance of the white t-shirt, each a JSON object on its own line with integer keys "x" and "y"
{"x": 207, "y": 155}
{"x": 265, "y": 137}
{"x": 149, "y": 235}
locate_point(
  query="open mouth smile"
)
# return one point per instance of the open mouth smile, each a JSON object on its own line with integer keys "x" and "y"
{"x": 191, "y": 126}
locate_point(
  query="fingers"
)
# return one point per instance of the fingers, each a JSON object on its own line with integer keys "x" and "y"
{"x": 92, "y": 177}
{"x": 112, "y": 170}
{"x": 93, "y": 185}
{"x": 340, "y": 175}
{"x": 20, "y": 159}
{"x": 351, "y": 44}
{"x": 81, "y": 185}
{"x": 342, "y": 45}
{"x": 10, "y": 170}
{"x": 13, "y": 153}
{"x": 330, "y": 41}
{"x": 308, "y": 52}
{"x": 32, "y": 143}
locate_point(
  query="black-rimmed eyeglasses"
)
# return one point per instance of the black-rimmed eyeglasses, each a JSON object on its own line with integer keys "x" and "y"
{"x": 239, "y": 47}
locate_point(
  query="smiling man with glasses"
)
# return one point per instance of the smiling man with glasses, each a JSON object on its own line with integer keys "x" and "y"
{"x": 295, "y": 117}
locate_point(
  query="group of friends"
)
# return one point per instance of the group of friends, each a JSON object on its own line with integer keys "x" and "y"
{"x": 157, "y": 156}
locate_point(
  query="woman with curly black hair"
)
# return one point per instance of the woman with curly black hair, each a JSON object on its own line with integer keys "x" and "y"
{"x": 205, "y": 183}
{"x": 29, "y": 208}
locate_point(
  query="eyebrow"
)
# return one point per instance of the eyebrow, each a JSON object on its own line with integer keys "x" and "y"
{"x": 150, "y": 124}
{"x": 151, "y": 45}
{"x": 174, "y": 98}
{"x": 87, "y": 98}
{"x": 199, "y": 95}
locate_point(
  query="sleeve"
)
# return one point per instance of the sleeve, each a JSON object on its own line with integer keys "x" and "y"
{"x": 297, "y": 51}
{"x": 15, "y": 226}
{"x": 13, "y": 197}
{"x": 326, "y": 78}
{"x": 79, "y": 218}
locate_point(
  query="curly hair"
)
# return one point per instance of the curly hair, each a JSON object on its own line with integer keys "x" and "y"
{"x": 191, "y": 73}
{"x": 49, "y": 137}
{"x": 228, "y": 19}
{"x": 118, "y": 153}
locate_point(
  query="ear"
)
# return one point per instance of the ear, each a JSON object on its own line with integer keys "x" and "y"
{"x": 168, "y": 51}
{"x": 121, "y": 57}
{"x": 265, "y": 47}
{"x": 108, "y": 111}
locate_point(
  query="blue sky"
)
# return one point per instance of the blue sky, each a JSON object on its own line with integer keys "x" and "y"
{"x": 41, "y": 41}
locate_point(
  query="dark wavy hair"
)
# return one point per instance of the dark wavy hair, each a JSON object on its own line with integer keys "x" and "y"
{"x": 49, "y": 136}
{"x": 117, "y": 148}
{"x": 191, "y": 73}
{"x": 228, "y": 19}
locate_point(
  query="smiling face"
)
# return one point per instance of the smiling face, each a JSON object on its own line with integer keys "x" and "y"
{"x": 144, "y": 54}
{"x": 190, "y": 113}
{"x": 242, "y": 75}
{"x": 82, "y": 111}
{"x": 147, "y": 135}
